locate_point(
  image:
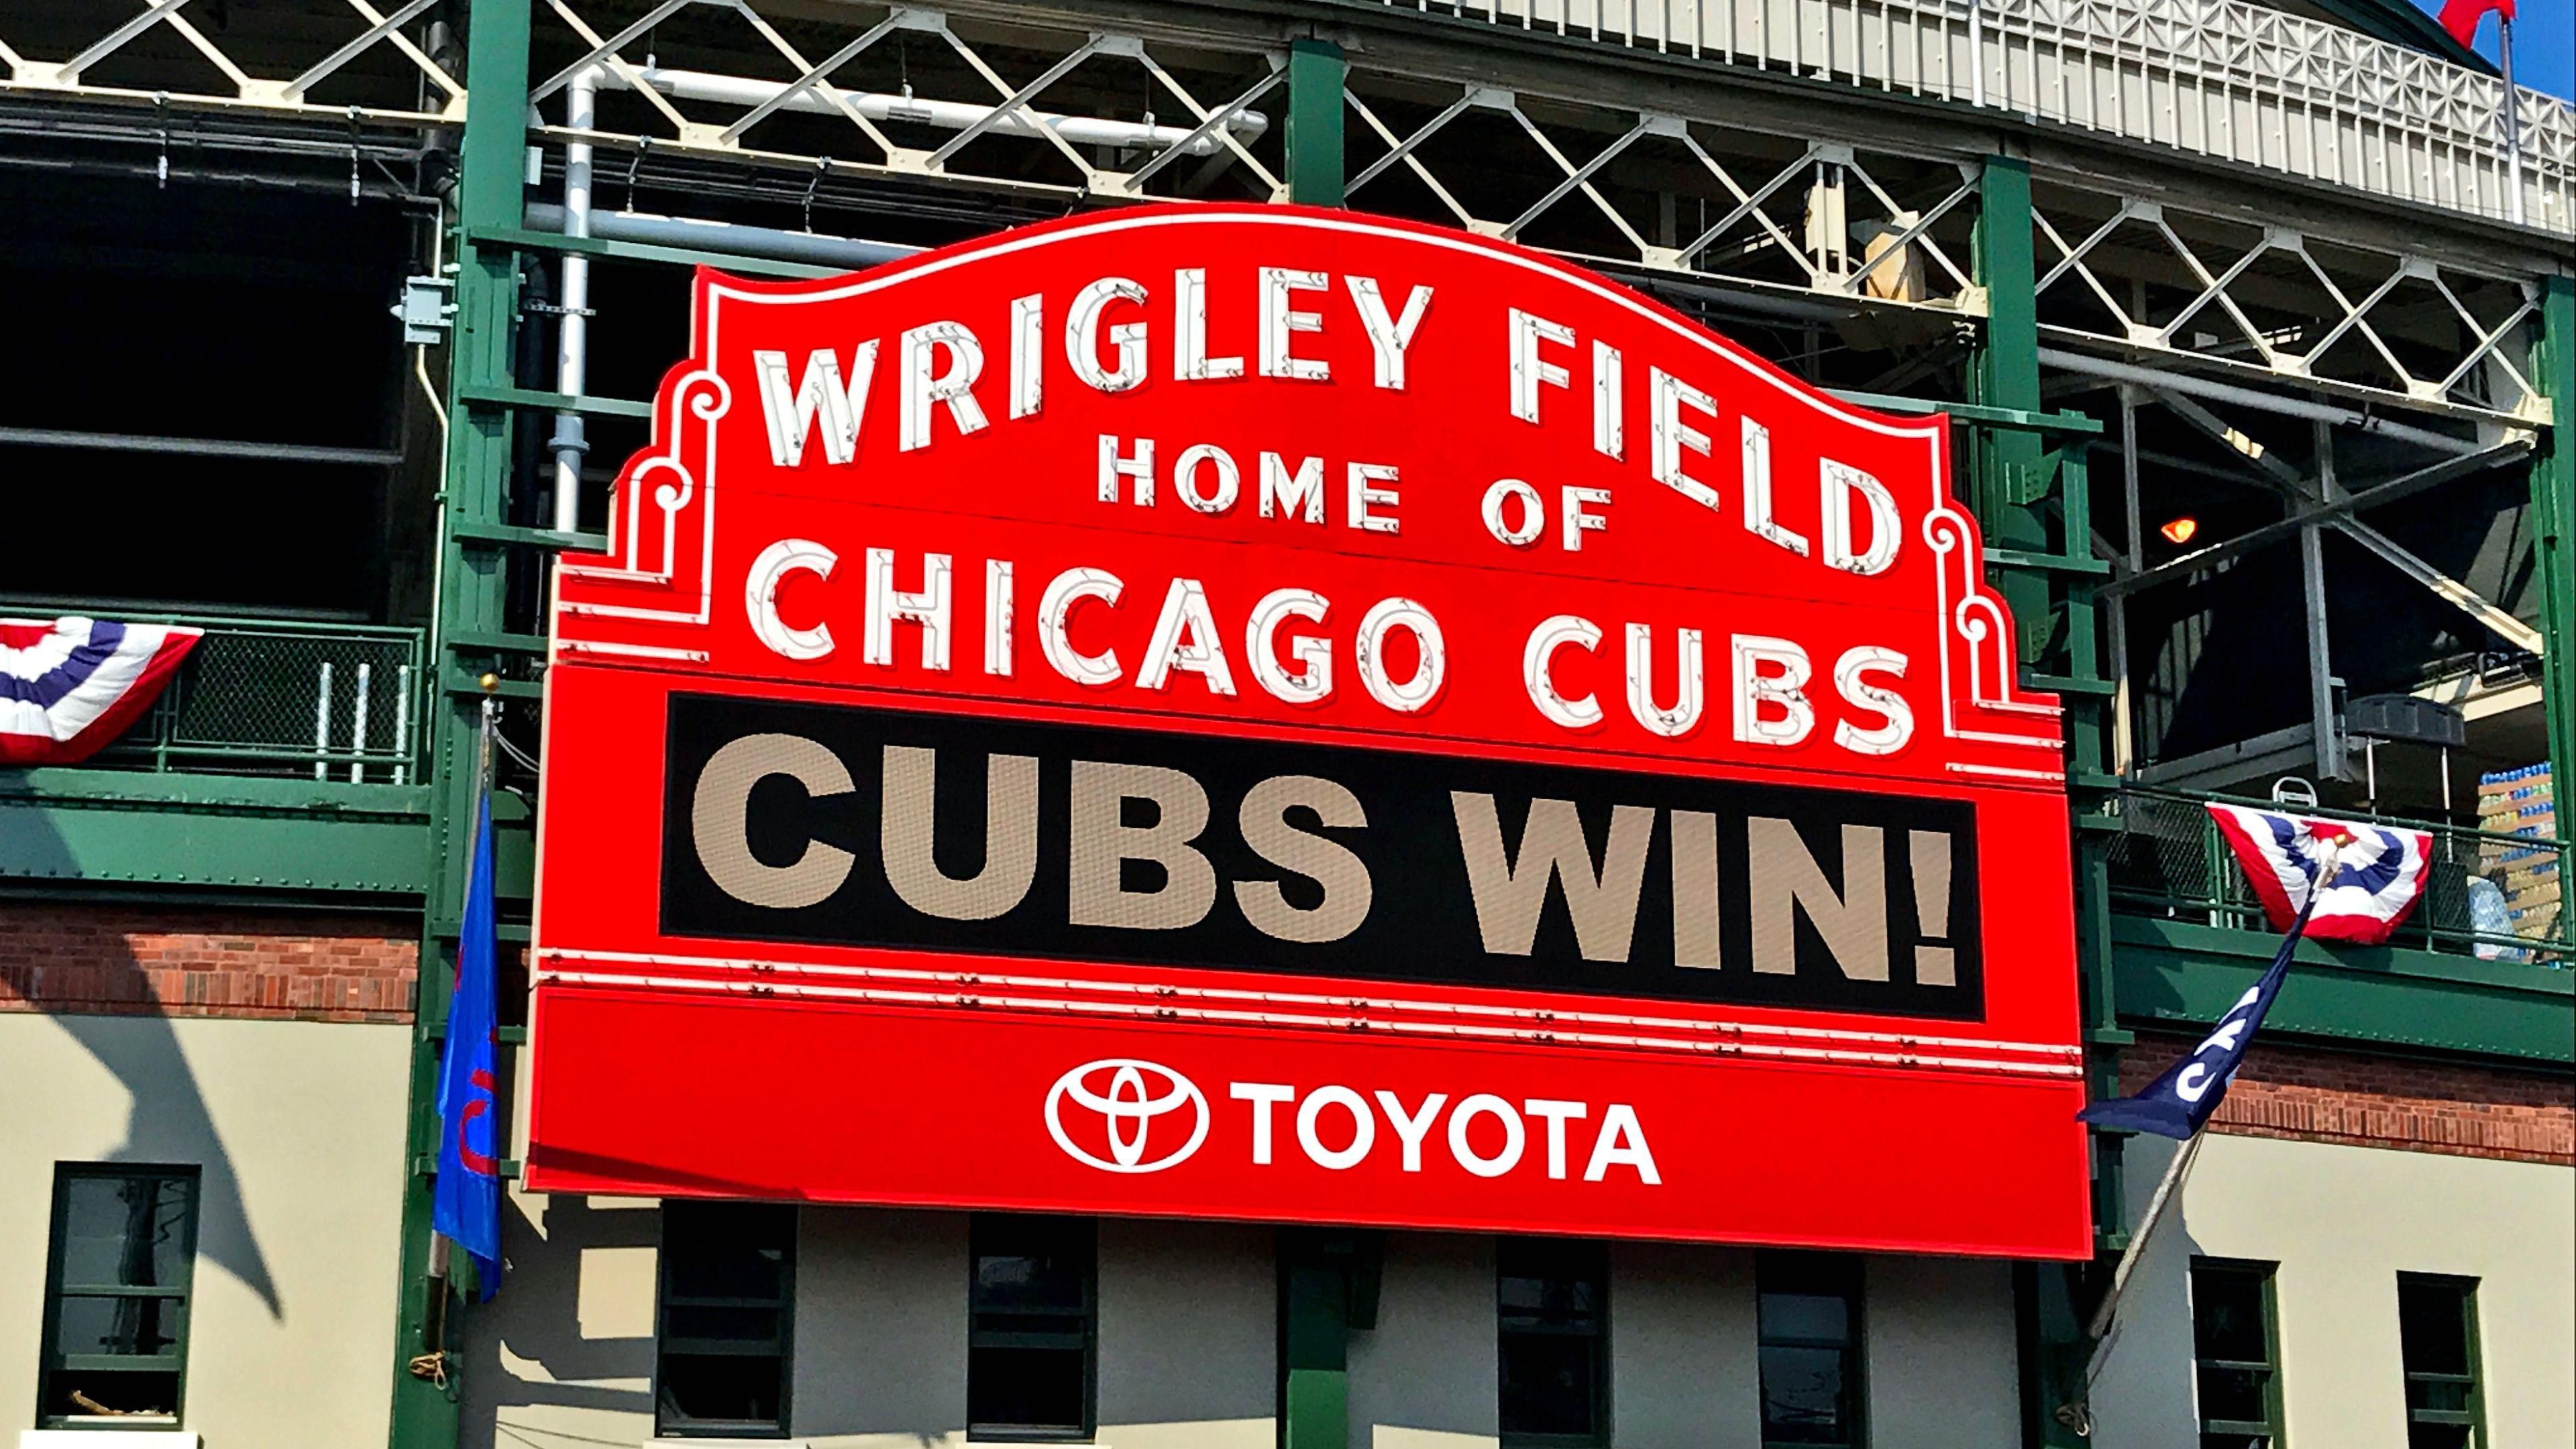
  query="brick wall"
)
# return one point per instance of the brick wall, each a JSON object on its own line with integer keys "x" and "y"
{"x": 2307, "y": 1095}
{"x": 127, "y": 960}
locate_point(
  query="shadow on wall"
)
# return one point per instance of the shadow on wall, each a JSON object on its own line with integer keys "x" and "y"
{"x": 552, "y": 1360}
{"x": 119, "y": 1021}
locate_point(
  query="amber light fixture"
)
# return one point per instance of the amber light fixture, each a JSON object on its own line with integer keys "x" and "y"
{"x": 2180, "y": 530}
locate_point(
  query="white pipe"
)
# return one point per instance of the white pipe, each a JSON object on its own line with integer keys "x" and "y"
{"x": 850, "y": 253}
{"x": 572, "y": 345}
{"x": 697, "y": 85}
{"x": 2249, "y": 397}
{"x": 358, "y": 729}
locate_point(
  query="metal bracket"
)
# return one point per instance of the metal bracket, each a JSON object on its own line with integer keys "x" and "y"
{"x": 427, "y": 309}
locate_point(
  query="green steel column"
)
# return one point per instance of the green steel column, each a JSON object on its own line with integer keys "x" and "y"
{"x": 2553, "y": 534}
{"x": 1327, "y": 1287}
{"x": 1315, "y": 71}
{"x": 491, "y": 161}
{"x": 2011, "y": 478}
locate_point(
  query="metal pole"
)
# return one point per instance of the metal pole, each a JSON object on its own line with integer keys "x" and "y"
{"x": 2312, "y": 580}
{"x": 322, "y": 723}
{"x": 2190, "y": 386}
{"x": 358, "y": 729}
{"x": 572, "y": 349}
{"x": 2512, "y": 122}
{"x": 2124, "y": 704}
{"x": 1977, "y": 52}
{"x": 2175, "y": 1170}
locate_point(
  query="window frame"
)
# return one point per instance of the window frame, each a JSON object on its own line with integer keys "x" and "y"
{"x": 2474, "y": 1417}
{"x": 2274, "y": 1427}
{"x": 1595, "y": 1258}
{"x": 980, "y": 1336}
{"x": 664, "y": 1426}
{"x": 1847, "y": 1276}
{"x": 51, "y": 1360}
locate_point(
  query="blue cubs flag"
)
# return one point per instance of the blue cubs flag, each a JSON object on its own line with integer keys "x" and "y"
{"x": 466, "y": 1206}
{"x": 2178, "y": 1103}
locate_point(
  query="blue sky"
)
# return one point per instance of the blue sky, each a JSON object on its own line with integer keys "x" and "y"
{"x": 2544, "y": 43}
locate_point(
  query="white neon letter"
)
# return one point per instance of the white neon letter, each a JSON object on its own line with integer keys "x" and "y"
{"x": 1668, "y": 435}
{"x": 1771, "y": 672}
{"x": 1388, "y": 336}
{"x": 1410, "y": 696}
{"x": 953, "y": 386}
{"x": 760, "y": 596}
{"x": 928, "y": 608}
{"x": 1055, "y": 636}
{"x": 1537, "y": 664}
{"x": 1311, "y": 684}
{"x": 1185, "y": 638}
{"x": 1529, "y": 370}
{"x": 1082, "y": 336}
{"x": 1280, "y": 323}
{"x": 1683, "y": 717}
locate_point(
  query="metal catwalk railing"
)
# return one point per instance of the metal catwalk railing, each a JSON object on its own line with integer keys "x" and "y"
{"x": 2236, "y": 81}
{"x": 278, "y": 697}
{"x": 2169, "y": 861}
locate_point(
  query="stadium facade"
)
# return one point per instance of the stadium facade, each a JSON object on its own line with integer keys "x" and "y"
{"x": 382, "y": 344}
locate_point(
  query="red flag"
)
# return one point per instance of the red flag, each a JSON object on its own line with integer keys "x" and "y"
{"x": 2461, "y": 17}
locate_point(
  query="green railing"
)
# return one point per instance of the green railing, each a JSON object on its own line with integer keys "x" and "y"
{"x": 2168, "y": 860}
{"x": 284, "y": 697}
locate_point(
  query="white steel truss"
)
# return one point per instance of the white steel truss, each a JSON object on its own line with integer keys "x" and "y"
{"x": 336, "y": 70}
{"x": 954, "y": 92}
{"x": 2214, "y": 294}
{"x": 1806, "y": 215}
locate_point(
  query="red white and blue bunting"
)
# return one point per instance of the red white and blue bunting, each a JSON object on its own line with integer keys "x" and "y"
{"x": 70, "y": 686}
{"x": 2381, "y": 878}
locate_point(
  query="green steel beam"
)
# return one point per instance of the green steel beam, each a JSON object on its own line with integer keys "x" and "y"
{"x": 2553, "y": 533}
{"x": 1315, "y": 72}
{"x": 197, "y": 832}
{"x": 491, "y": 164}
{"x": 2181, "y": 976}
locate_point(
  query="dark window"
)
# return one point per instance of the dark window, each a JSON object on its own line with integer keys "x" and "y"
{"x": 1810, "y": 1333}
{"x": 116, "y": 1294}
{"x": 2237, "y": 1355}
{"x": 1553, "y": 1342}
{"x": 1033, "y": 1320}
{"x": 2437, "y": 1331}
{"x": 727, "y": 1297}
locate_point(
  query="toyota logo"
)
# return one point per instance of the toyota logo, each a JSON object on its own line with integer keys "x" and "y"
{"x": 1122, "y": 1103}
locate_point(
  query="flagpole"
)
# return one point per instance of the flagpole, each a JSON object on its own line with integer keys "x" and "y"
{"x": 2512, "y": 122}
{"x": 2177, "y": 1168}
{"x": 2180, "y": 1166}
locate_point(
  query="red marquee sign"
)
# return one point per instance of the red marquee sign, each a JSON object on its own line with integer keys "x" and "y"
{"x": 1266, "y": 713}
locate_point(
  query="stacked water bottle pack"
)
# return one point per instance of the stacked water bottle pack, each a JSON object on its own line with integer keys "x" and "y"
{"x": 2529, "y": 877}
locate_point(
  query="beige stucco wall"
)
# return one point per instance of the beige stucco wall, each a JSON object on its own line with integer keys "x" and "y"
{"x": 1186, "y": 1328}
{"x": 2342, "y": 1223}
{"x": 1943, "y": 1361}
{"x": 298, "y": 1129}
{"x": 1426, "y": 1377}
{"x": 1683, "y": 1367}
{"x": 1188, "y": 1318}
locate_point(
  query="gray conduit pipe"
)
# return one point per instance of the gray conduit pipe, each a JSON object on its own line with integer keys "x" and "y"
{"x": 572, "y": 349}
{"x": 769, "y": 244}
